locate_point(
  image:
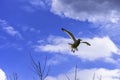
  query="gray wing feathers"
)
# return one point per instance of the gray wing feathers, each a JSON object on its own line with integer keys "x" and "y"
{"x": 69, "y": 33}
{"x": 87, "y": 43}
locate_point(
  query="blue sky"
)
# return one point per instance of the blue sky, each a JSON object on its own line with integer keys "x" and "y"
{"x": 34, "y": 27}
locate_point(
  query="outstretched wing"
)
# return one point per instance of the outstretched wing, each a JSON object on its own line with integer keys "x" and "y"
{"x": 69, "y": 33}
{"x": 87, "y": 43}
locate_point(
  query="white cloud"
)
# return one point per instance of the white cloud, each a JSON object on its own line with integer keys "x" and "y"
{"x": 100, "y": 48}
{"x": 87, "y": 74}
{"x": 57, "y": 59}
{"x": 9, "y": 29}
{"x": 2, "y": 75}
{"x": 91, "y": 10}
{"x": 37, "y": 3}
{"x": 104, "y": 13}
{"x": 54, "y": 45}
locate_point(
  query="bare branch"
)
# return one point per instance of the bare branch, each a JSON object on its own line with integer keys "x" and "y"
{"x": 14, "y": 76}
{"x": 44, "y": 65}
{"x": 93, "y": 76}
{"x": 47, "y": 73}
{"x": 39, "y": 70}
{"x": 76, "y": 72}
{"x": 67, "y": 77}
{"x": 100, "y": 78}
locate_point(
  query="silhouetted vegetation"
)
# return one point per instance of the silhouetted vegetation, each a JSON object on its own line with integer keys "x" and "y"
{"x": 41, "y": 70}
{"x": 75, "y": 78}
{"x": 14, "y": 76}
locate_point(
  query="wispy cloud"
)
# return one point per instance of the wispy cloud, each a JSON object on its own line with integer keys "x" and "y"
{"x": 30, "y": 29}
{"x": 87, "y": 74}
{"x": 2, "y": 75}
{"x": 33, "y": 5}
{"x": 10, "y": 29}
{"x": 101, "y": 47}
{"x": 37, "y": 3}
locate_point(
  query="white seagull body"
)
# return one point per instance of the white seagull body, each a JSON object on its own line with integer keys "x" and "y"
{"x": 76, "y": 42}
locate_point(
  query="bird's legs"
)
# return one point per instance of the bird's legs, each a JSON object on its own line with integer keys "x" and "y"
{"x": 73, "y": 50}
{"x": 76, "y": 49}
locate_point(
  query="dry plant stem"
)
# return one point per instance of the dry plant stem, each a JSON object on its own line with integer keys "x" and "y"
{"x": 39, "y": 70}
{"x": 14, "y": 76}
{"x": 75, "y": 74}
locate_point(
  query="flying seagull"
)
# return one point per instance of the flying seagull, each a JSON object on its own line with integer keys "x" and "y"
{"x": 76, "y": 41}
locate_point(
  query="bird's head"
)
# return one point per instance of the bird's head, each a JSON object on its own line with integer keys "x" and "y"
{"x": 79, "y": 39}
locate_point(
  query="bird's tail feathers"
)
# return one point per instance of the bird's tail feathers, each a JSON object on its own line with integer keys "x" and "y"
{"x": 70, "y": 43}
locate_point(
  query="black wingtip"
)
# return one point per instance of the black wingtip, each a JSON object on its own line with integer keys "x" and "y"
{"x": 89, "y": 44}
{"x": 62, "y": 29}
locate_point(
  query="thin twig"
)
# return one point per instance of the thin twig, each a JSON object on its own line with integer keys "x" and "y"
{"x": 39, "y": 70}
{"x": 76, "y": 72}
{"x": 93, "y": 76}
{"x": 67, "y": 77}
